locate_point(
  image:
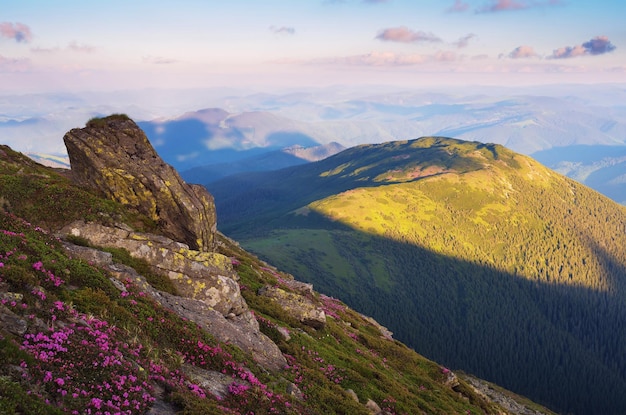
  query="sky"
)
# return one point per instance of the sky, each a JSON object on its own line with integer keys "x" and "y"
{"x": 77, "y": 45}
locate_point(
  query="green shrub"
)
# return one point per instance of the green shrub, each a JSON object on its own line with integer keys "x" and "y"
{"x": 15, "y": 400}
{"x": 99, "y": 122}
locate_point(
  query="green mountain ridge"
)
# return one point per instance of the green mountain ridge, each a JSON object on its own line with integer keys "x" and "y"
{"x": 75, "y": 337}
{"x": 474, "y": 255}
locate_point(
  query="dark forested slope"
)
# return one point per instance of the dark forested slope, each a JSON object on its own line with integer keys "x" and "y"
{"x": 475, "y": 255}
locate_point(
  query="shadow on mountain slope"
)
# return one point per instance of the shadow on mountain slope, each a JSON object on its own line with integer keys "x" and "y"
{"x": 560, "y": 345}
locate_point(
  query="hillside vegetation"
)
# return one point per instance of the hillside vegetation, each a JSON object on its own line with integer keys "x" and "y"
{"x": 474, "y": 255}
{"x": 75, "y": 340}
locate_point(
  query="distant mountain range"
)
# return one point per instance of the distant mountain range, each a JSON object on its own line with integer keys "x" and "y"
{"x": 237, "y": 124}
{"x": 270, "y": 160}
{"x": 209, "y": 144}
{"x": 213, "y": 136}
{"x": 476, "y": 256}
{"x": 603, "y": 168}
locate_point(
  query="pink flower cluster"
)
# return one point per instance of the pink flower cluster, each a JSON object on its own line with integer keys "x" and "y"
{"x": 50, "y": 277}
{"x": 332, "y": 307}
{"x": 87, "y": 369}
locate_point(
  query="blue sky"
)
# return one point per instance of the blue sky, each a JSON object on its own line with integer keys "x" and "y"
{"x": 69, "y": 45}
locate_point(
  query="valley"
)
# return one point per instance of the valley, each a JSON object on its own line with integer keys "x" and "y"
{"x": 472, "y": 254}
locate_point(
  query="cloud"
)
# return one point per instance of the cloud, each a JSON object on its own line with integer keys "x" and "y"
{"x": 524, "y": 51}
{"x": 458, "y": 7}
{"x": 76, "y": 47}
{"x": 158, "y": 60}
{"x": 464, "y": 41}
{"x": 512, "y": 5}
{"x": 282, "y": 30}
{"x": 16, "y": 31}
{"x": 375, "y": 1}
{"x": 383, "y": 59}
{"x": 597, "y": 46}
{"x": 403, "y": 34}
{"x": 13, "y": 65}
{"x": 444, "y": 56}
{"x": 44, "y": 50}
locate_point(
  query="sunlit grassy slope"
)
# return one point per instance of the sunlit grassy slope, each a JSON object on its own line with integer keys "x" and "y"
{"x": 473, "y": 254}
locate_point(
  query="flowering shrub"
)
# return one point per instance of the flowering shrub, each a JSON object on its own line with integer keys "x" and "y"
{"x": 87, "y": 369}
{"x": 332, "y": 307}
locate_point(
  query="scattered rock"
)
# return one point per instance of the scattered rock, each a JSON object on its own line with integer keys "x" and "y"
{"x": 90, "y": 255}
{"x": 300, "y": 287}
{"x": 293, "y": 390}
{"x": 297, "y": 305}
{"x": 384, "y": 331}
{"x": 284, "y": 332}
{"x": 352, "y": 394}
{"x": 373, "y": 407}
{"x": 505, "y": 400}
{"x": 242, "y": 330}
{"x": 451, "y": 380}
{"x": 11, "y": 322}
{"x": 214, "y": 382}
{"x": 205, "y": 276}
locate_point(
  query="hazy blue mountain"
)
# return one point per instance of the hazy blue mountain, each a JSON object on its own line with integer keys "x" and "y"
{"x": 266, "y": 161}
{"x": 602, "y": 168}
{"x": 213, "y": 135}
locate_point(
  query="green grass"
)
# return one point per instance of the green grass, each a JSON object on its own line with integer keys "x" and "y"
{"x": 101, "y": 122}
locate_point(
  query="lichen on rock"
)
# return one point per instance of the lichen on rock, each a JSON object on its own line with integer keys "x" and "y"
{"x": 205, "y": 276}
{"x": 297, "y": 305}
{"x": 113, "y": 156}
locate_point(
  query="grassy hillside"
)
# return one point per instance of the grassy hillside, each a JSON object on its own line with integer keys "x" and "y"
{"x": 72, "y": 341}
{"x": 478, "y": 257}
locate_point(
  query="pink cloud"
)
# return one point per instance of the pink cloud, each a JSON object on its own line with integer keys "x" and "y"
{"x": 283, "y": 30}
{"x": 16, "y": 31}
{"x": 445, "y": 56}
{"x": 76, "y": 47}
{"x": 523, "y": 52}
{"x": 158, "y": 60}
{"x": 464, "y": 41}
{"x": 458, "y": 7}
{"x": 403, "y": 34}
{"x": 381, "y": 59}
{"x": 502, "y": 5}
{"x": 44, "y": 50}
{"x": 597, "y": 46}
{"x": 13, "y": 65}
{"x": 512, "y": 5}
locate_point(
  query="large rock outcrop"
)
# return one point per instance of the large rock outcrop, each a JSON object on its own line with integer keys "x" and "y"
{"x": 205, "y": 276}
{"x": 228, "y": 324}
{"x": 113, "y": 156}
